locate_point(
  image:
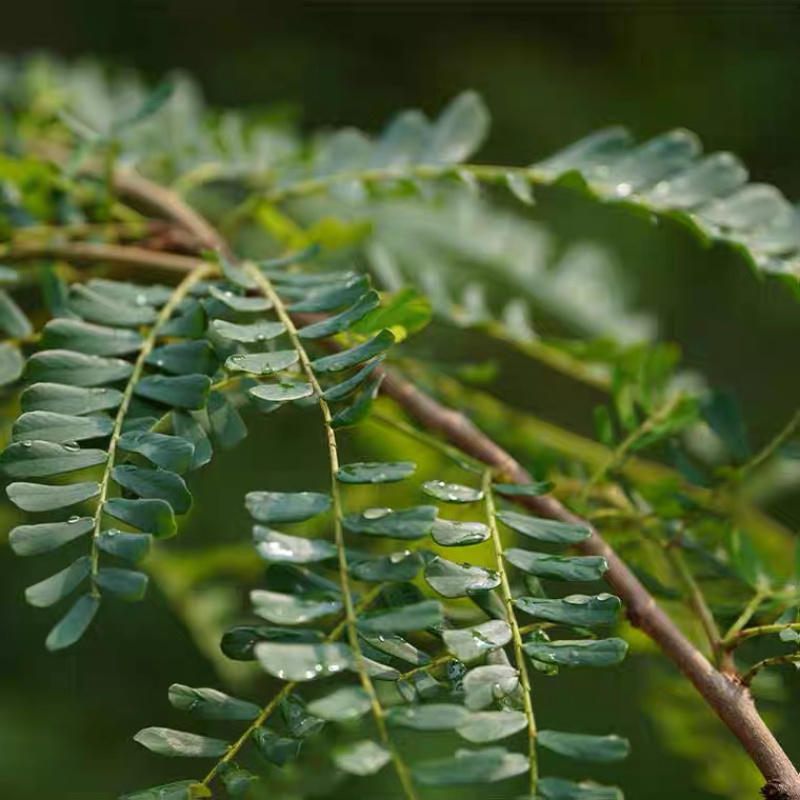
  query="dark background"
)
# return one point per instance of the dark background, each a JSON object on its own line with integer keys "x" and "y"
{"x": 550, "y": 74}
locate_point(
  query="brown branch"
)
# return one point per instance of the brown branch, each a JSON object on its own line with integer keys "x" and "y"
{"x": 730, "y": 700}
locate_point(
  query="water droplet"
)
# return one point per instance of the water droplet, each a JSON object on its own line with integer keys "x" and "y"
{"x": 100, "y": 390}
{"x": 112, "y": 533}
{"x": 261, "y": 337}
{"x": 73, "y": 519}
{"x": 27, "y": 443}
{"x": 376, "y": 513}
{"x": 237, "y": 359}
{"x": 141, "y": 299}
{"x": 73, "y": 447}
{"x": 159, "y": 362}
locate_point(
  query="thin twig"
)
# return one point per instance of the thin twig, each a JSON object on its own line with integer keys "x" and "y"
{"x": 791, "y": 658}
{"x": 516, "y": 636}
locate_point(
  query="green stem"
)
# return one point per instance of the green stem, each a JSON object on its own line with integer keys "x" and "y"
{"x": 772, "y": 447}
{"x": 732, "y": 642}
{"x": 622, "y": 451}
{"x": 265, "y": 285}
{"x": 273, "y": 704}
{"x": 746, "y": 615}
{"x": 519, "y": 653}
{"x": 181, "y": 291}
{"x": 791, "y": 658}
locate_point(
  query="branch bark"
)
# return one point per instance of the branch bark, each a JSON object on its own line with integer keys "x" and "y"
{"x": 730, "y": 700}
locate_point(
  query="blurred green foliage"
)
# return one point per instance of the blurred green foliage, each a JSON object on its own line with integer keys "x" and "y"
{"x": 550, "y": 75}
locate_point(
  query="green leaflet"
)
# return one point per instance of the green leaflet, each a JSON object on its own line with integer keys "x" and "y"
{"x": 125, "y": 583}
{"x": 131, "y": 547}
{"x": 469, "y": 644}
{"x": 275, "y": 749}
{"x": 248, "y": 334}
{"x": 522, "y": 489}
{"x": 69, "y": 399}
{"x": 84, "y": 337}
{"x": 154, "y": 484}
{"x": 276, "y": 547}
{"x": 491, "y": 726}
{"x": 12, "y": 319}
{"x": 449, "y": 533}
{"x": 30, "y": 540}
{"x": 71, "y": 627}
{"x": 578, "y": 653}
{"x": 290, "y": 609}
{"x": 545, "y": 530}
{"x": 451, "y": 492}
{"x": 41, "y": 459}
{"x": 282, "y": 392}
{"x": 191, "y": 324}
{"x": 295, "y": 714}
{"x": 578, "y": 609}
{"x": 459, "y": 131}
{"x": 342, "y": 321}
{"x": 432, "y": 717}
{"x": 239, "y": 302}
{"x": 364, "y": 757}
{"x": 96, "y": 307}
{"x": 211, "y": 704}
{"x": 237, "y": 781}
{"x": 168, "y": 452}
{"x": 407, "y": 523}
{"x": 561, "y": 789}
{"x": 401, "y": 566}
{"x": 76, "y": 369}
{"x": 575, "y": 568}
{"x": 11, "y": 363}
{"x": 406, "y": 309}
{"x": 489, "y": 765}
{"x": 286, "y": 507}
{"x": 584, "y": 747}
{"x": 376, "y": 471}
{"x": 185, "y": 426}
{"x": 303, "y": 662}
{"x": 403, "y": 619}
{"x": 52, "y": 589}
{"x": 185, "y": 358}
{"x": 459, "y": 580}
{"x": 396, "y": 647}
{"x": 329, "y": 298}
{"x": 169, "y": 742}
{"x": 348, "y": 703}
{"x": 48, "y": 426}
{"x": 134, "y": 293}
{"x": 262, "y": 363}
{"x": 483, "y": 686}
{"x": 177, "y": 790}
{"x": 182, "y": 391}
{"x": 341, "y": 390}
{"x": 227, "y": 426}
{"x": 345, "y": 359}
{"x": 148, "y": 516}
{"x": 40, "y": 497}
{"x": 358, "y": 410}
{"x": 239, "y": 642}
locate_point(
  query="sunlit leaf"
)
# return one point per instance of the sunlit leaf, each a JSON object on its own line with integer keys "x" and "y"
{"x": 407, "y": 523}
{"x": 345, "y": 359}
{"x": 290, "y": 609}
{"x": 69, "y": 399}
{"x": 578, "y": 609}
{"x": 48, "y": 426}
{"x": 276, "y": 547}
{"x": 211, "y": 703}
{"x": 545, "y": 530}
{"x": 286, "y": 507}
{"x": 376, "y": 471}
{"x": 485, "y": 685}
{"x": 343, "y": 320}
{"x": 29, "y": 540}
{"x": 489, "y": 765}
{"x": 401, "y": 566}
{"x": 431, "y": 717}
{"x": 41, "y": 459}
{"x": 169, "y": 742}
{"x": 84, "y": 337}
{"x": 574, "y": 568}
{"x": 249, "y": 333}
{"x": 469, "y": 644}
{"x": 452, "y": 492}
{"x": 450, "y": 533}
{"x": 361, "y": 758}
{"x": 262, "y": 363}
{"x": 303, "y": 662}
{"x": 76, "y": 369}
{"x": 579, "y": 653}
{"x": 402, "y": 619}
{"x": 459, "y": 580}
{"x": 350, "y": 702}
{"x": 491, "y": 726}
{"x": 40, "y": 497}
{"x": 584, "y": 747}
